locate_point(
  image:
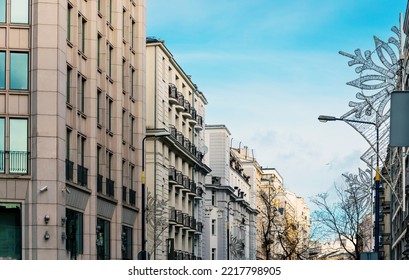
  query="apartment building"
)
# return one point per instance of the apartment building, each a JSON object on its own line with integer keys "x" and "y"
{"x": 229, "y": 207}
{"x": 175, "y": 164}
{"x": 72, "y": 105}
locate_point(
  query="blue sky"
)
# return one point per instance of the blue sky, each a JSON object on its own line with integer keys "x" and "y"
{"x": 268, "y": 68}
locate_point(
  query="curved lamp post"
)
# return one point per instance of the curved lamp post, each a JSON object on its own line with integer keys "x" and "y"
{"x": 323, "y": 118}
{"x": 143, "y": 254}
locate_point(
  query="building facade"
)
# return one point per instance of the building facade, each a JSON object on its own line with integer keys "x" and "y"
{"x": 72, "y": 104}
{"x": 175, "y": 165}
{"x": 229, "y": 207}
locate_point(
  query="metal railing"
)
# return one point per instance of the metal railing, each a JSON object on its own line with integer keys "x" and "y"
{"x": 110, "y": 188}
{"x": 18, "y": 162}
{"x": 99, "y": 183}
{"x": 69, "y": 170}
{"x": 82, "y": 175}
{"x": 132, "y": 197}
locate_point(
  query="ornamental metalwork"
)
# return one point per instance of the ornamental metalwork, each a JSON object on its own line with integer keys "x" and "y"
{"x": 380, "y": 72}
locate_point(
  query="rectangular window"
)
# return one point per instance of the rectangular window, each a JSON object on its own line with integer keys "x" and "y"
{"x": 123, "y": 124}
{"x": 99, "y": 106}
{"x": 213, "y": 198}
{"x": 213, "y": 253}
{"x": 19, "y": 11}
{"x": 132, "y": 81}
{"x": 99, "y": 6}
{"x": 213, "y": 227}
{"x": 110, "y": 53}
{"x": 81, "y": 33}
{"x": 81, "y": 94}
{"x": 19, "y": 70}
{"x": 126, "y": 243}
{"x": 2, "y": 139}
{"x": 131, "y": 131}
{"x": 99, "y": 50}
{"x": 131, "y": 176}
{"x": 3, "y": 11}
{"x": 68, "y": 89}
{"x": 133, "y": 34}
{"x": 10, "y": 231}
{"x": 103, "y": 239}
{"x": 18, "y": 145}
{"x": 109, "y": 113}
{"x": 109, "y": 165}
{"x": 109, "y": 11}
{"x": 74, "y": 231}
{"x": 69, "y": 14}
{"x": 82, "y": 171}
{"x": 124, "y": 89}
{"x": 2, "y": 70}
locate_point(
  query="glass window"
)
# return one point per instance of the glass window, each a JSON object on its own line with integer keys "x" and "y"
{"x": 18, "y": 145}
{"x": 111, "y": 49}
{"x": 99, "y": 51}
{"x": 99, "y": 106}
{"x": 126, "y": 247}
{"x": 81, "y": 94}
{"x": 19, "y": 70}
{"x": 69, "y": 70}
{"x": 74, "y": 229}
{"x": 103, "y": 239}
{"x": 19, "y": 11}
{"x": 2, "y": 145}
{"x": 3, "y": 11}
{"x": 69, "y": 13}
{"x": 10, "y": 231}
{"x": 2, "y": 70}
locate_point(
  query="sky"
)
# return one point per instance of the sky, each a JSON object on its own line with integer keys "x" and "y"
{"x": 269, "y": 68}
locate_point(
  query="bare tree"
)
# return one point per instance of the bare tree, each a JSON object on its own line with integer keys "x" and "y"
{"x": 342, "y": 218}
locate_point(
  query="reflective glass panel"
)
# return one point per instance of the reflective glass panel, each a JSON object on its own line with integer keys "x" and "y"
{"x": 19, "y": 71}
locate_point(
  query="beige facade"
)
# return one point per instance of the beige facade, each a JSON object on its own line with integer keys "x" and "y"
{"x": 74, "y": 90}
{"x": 174, "y": 164}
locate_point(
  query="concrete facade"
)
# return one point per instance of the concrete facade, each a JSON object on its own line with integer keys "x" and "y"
{"x": 69, "y": 189}
{"x": 174, "y": 164}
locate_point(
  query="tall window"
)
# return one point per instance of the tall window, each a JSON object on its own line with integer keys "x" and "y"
{"x": 103, "y": 239}
{"x": 10, "y": 231}
{"x": 110, "y": 11}
{"x": 82, "y": 23}
{"x": 132, "y": 81}
{"x": 126, "y": 243}
{"x": 18, "y": 145}
{"x": 3, "y": 11}
{"x": 213, "y": 227}
{"x": 69, "y": 15}
{"x": 68, "y": 89}
{"x": 133, "y": 33}
{"x": 213, "y": 198}
{"x": 213, "y": 253}
{"x": 131, "y": 131}
{"x": 99, "y": 50}
{"x": 81, "y": 93}
{"x": 110, "y": 53}
{"x": 74, "y": 231}
{"x": 2, "y": 137}
{"x": 19, "y": 11}
{"x": 109, "y": 103}
{"x": 69, "y": 165}
{"x": 19, "y": 70}
{"x": 99, "y": 106}
{"x": 2, "y": 70}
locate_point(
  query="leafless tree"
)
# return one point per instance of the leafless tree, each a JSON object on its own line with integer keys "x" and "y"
{"x": 341, "y": 218}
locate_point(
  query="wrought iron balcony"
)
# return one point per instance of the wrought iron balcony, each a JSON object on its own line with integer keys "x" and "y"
{"x": 132, "y": 197}
{"x": 172, "y": 174}
{"x": 99, "y": 183}
{"x": 181, "y": 100}
{"x": 82, "y": 175}
{"x": 186, "y": 182}
{"x": 199, "y": 227}
{"x": 199, "y": 125}
{"x": 69, "y": 170}
{"x": 179, "y": 178}
{"x": 179, "y": 217}
{"x": 186, "y": 220}
{"x": 110, "y": 188}
{"x": 180, "y": 138}
{"x": 173, "y": 94}
{"x": 173, "y": 131}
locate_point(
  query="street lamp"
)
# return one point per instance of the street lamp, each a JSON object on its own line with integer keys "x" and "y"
{"x": 323, "y": 118}
{"x": 143, "y": 254}
{"x": 228, "y": 224}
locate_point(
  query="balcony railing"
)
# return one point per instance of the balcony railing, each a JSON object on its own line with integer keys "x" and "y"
{"x": 110, "y": 188}
{"x": 132, "y": 197}
{"x": 172, "y": 174}
{"x": 82, "y": 175}
{"x": 124, "y": 193}
{"x": 199, "y": 227}
{"x": 172, "y": 215}
{"x": 179, "y": 217}
{"x": 173, "y": 92}
{"x": 2, "y": 165}
{"x": 99, "y": 183}
{"x": 69, "y": 170}
{"x": 179, "y": 178}
{"x": 18, "y": 162}
{"x": 180, "y": 138}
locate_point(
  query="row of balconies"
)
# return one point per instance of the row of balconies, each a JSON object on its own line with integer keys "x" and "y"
{"x": 82, "y": 180}
{"x": 182, "y": 255}
{"x": 186, "y": 143}
{"x": 189, "y": 112}
{"x": 178, "y": 180}
{"x": 180, "y": 219}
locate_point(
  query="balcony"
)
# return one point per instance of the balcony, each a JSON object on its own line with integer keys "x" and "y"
{"x": 187, "y": 144}
{"x": 180, "y": 138}
{"x": 172, "y": 175}
{"x": 82, "y": 175}
{"x": 18, "y": 162}
{"x": 199, "y": 192}
{"x": 173, "y": 94}
{"x": 199, "y": 228}
{"x": 173, "y": 131}
{"x": 172, "y": 216}
{"x": 186, "y": 183}
{"x": 193, "y": 113}
{"x": 99, "y": 183}
{"x": 179, "y": 179}
{"x": 110, "y": 188}
{"x": 186, "y": 220}
{"x": 132, "y": 197}
{"x": 69, "y": 170}
{"x": 192, "y": 224}
{"x": 179, "y": 218}
{"x": 199, "y": 125}
{"x": 181, "y": 100}
{"x": 186, "y": 109}
{"x": 192, "y": 188}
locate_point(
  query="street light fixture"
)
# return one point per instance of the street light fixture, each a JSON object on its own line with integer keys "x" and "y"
{"x": 228, "y": 224}
{"x": 163, "y": 133}
{"x": 324, "y": 118}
